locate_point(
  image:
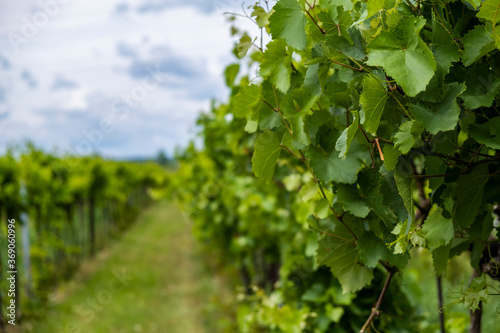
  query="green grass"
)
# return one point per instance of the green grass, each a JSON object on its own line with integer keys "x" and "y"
{"x": 154, "y": 279}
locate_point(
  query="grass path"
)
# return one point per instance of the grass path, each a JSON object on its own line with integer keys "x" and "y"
{"x": 152, "y": 280}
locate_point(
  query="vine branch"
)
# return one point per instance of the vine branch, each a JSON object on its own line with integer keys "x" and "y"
{"x": 291, "y": 151}
{"x": 376, "y": 309}
{"x": 400, "y": 105}
{"x": 366, "y": 136}
{"x": 442, "y": 175}
{"x": 303, "y": 159}
{"x": 379, "y": 149}
{"x": 277, "y": 109}
{"x": 269, "y": 104}
{"x": 440, "y": 304}
{"x": 323, "y": 31}
{"x": 424, "y": 205}
{"x": 361, "y": 69}
{"x": 474, "y": 156}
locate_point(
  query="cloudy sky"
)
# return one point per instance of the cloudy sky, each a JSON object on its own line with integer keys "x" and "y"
{"x": 125, "y": 78}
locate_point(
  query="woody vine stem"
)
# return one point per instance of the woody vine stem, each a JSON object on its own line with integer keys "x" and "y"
{"x": 376, "y": 309}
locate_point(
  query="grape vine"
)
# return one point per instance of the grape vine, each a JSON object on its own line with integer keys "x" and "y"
{"x": 66, "y": 208}
{"x": 372, "y": 128}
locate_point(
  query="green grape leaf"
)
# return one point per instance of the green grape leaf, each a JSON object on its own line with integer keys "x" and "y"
{"x": 344, "y": 141}
{"x": 299, "y": 135}
{"x": 402, "y": 232}
{"x": 482, "y": 86}
{"x": 267, "y": 152}
{"x": 440, "y": 258}
{"x": 252, "y": 118}
{"x": 322, "y": 208}
{"x": 435, "y": 166}
{"x": 267, "y": 117}
{"x": 292, "y": 182}
{"x": 404, "y": 55}
{"x": 313, "y": 223}
{"x": 230, "y": 74}
{"x": 346, "y": 4}
{"x": 261, "y": 16}
{"x": 374, "y": 6}
{"x": 444, "y": 47}
{"x": 408, "y": 134}
{"x": 374, "y": 200}
{"x": 297, "y": 101}
{"x": 469, "y": 193}
{"x": 351, "y": 46}
{"x": 490, "y": 11}
{"x": 331, "y": 167}
{"x": 330, "y": 6}
{"x": 339, "y": 94}
{"x": 487, "y": 133}
{"x": 277, "y": 65}
{"x": 243, "y": 46}
{"x": 315, "y": 78}
{"x": 438, "y": 230}
{"x": 289, "y": 22}
{"x": 481, "y": 230}
{"x": 312, "y": 81}
{"x": 251, "y": 126}
{"x": 245, "y": 103}
{"x": 371, "y": 249}
{"x": 344, "y": 21}
{"x": 309, "y": 191}
{"x": 336, "y": 18}
{"x": 406, "y": 185}
{"x": 474, "y": 3}
{"x": 446, "y": 51}
{"x": 339, "y": 252}
{"x": 417, "y": 237}
{"x": 477, "y": 43}
{"x": 315, "y": 294}
{"x": 446, "y": 143}
{"x": 476, "y": 293}
{"x": 315, "y": 121}
{"x": 442, "y": 116}
{"x": 373, "y": 100}
{"x": 334, "y": 313}
{"x": 390, "y": 195}
{"x": 368, "y": 190}
{"x": 351, "y": 199}
{"x": 391, "y": 155}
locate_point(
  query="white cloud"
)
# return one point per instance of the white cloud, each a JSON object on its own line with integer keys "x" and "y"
{"x": 95, "y": 50}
